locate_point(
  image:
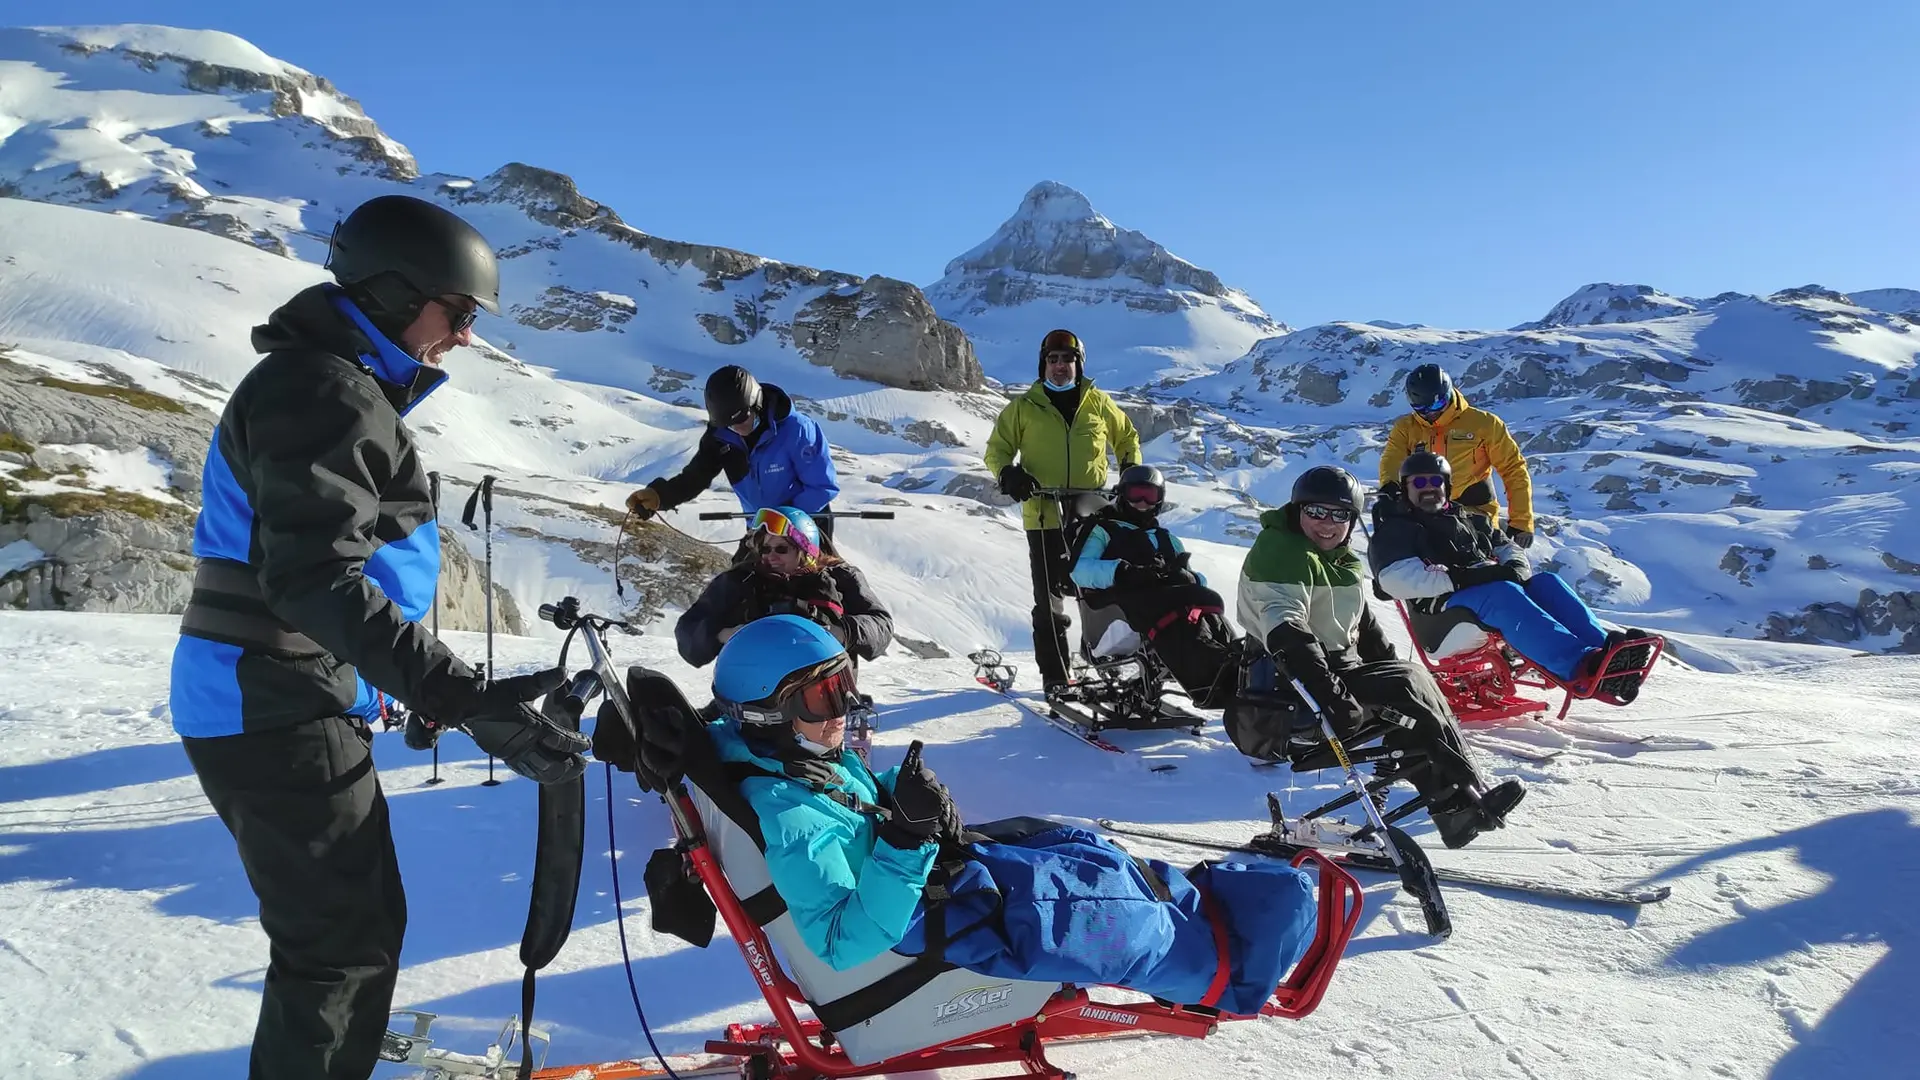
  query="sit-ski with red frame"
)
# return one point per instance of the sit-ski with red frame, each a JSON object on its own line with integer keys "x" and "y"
{"x": 791, "y": 1048}
{"x": 1482, "y": 683}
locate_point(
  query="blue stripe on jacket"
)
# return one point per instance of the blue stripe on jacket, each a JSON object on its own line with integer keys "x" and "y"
{"x": 206, "y": 698}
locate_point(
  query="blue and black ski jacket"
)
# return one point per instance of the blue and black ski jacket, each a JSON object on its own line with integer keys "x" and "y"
{"x": 317, "y": 541}
{"x": 786, "y": 462}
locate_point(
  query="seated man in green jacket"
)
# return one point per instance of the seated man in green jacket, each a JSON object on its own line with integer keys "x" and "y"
{"x": 1303, "y": 593}
{"x": 1060, "y": 430}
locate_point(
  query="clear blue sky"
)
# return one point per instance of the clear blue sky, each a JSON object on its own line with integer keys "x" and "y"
{"x": 1455, "y": 164}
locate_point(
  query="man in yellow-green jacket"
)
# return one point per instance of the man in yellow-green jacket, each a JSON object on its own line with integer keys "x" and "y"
{"x": 1060, "y": 430}
{"x": 1475, "y": 442}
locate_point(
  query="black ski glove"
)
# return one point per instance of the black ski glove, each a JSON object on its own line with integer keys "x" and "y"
{"x": 1129, "y": 576}
{"x": 502, "y": 723}
{"x": 1174, "y": 571}
{"x": 1519, "y": 569}
{"x": 922, "y": 809}
{"x": 1522, "y": 538}
{"x": 1017, "y": 483}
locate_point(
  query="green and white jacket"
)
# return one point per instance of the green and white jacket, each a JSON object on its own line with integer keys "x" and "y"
{"x": 1286, "y": 579}
{"x": 1309, "y": 607}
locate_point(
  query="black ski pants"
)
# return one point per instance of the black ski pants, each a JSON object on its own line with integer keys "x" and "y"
{"x": 1052, "y": 568}
{"x": 307, "y": 814}
{"x": 1408, "y": 689}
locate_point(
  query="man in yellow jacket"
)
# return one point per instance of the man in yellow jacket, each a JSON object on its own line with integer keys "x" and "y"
{"x": 1473, "y": 441}
{"x": 1060, "y": 430}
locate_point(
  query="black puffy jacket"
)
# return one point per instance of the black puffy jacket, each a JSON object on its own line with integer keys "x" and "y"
{"x": 1412, "y": 550}
{"x": 742, "y": 594}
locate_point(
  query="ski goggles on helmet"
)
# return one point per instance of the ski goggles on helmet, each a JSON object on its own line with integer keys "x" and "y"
{"x": 1418, "y": 482}
{"x": 1146, "y": 493}
{"x": 1319, "y": 512}
{"x": 812, "y": 695}
{"x": 775, "y": 523}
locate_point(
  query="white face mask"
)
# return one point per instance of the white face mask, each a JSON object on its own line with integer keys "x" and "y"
{"x": 1062, "y": 389}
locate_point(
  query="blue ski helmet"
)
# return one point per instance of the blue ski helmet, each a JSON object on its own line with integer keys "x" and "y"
{"x": 793, "y": 523}
{"x": 761, "y": 655}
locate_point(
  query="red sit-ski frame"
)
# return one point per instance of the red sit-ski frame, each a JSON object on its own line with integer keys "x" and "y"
{"x": 794, "y": 1049}
{"x": 1482, "y": 683}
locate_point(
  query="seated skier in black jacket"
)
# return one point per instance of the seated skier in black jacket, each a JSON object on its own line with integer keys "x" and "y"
{"x": 1435, "y": 554}
{"x": 785, "y": 572}
{"x": 1124, "y": 558}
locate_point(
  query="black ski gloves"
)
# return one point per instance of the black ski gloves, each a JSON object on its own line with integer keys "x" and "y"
{"x": 1522, "y": 538}
{"x": 503, "y": 724}
{"x": 922, "y": 810}
{"x": 1017, "y": 483}
{"x": 1176, "y": 572}
{"x": 1466, "y": 577}
{"x": 1129, "y": 576}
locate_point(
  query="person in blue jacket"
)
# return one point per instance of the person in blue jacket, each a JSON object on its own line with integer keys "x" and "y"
{"x": 772, "y": 455}
{"x": 1124, "y": 558}
{"x": 851, "y": 854}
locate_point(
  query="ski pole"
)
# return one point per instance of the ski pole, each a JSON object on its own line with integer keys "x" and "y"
{"x": 433, "y": 495}
{"x": 482, "y": 498}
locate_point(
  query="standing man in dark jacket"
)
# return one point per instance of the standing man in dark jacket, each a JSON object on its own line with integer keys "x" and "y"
{"x": 1060, "y": 431}
{"x": 318, "y": 552}
{"x": 772, "y": 455}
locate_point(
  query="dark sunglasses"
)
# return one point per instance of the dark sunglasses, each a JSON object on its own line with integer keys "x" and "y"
{"x": 1418, "y": 482}
{"x": 458, "y": 317}
{"x": 738, "y": 418}
{"x": 1317, "y": 512}
{"x": 772, "y": 547}
{"x": 1062, "y": 357}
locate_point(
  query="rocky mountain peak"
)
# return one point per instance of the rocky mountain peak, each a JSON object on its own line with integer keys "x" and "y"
{"x": 1605, "y": 302}
{"x": 1056, "y": 231}
{"x": 551, "y": 198}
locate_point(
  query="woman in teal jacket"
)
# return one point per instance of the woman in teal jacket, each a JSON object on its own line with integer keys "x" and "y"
{"x": 850, "y": 853}
{"x": 851, "y": 881}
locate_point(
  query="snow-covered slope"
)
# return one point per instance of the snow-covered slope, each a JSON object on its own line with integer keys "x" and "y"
{"x": 1889, "y": 300}
{"x": 1778, "y": 805}
{"x": 200, "y": 129}
{"x": 86, "y": 295}
{"x": 1143, "y": 312}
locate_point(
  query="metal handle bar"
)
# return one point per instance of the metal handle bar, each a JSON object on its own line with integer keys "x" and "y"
{"x": 870, "y": 515}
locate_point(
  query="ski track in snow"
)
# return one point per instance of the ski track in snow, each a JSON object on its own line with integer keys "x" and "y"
{"x": 1776, "y": 804}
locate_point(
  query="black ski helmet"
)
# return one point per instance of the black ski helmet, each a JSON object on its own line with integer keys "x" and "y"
{"x": 394, "y": 253}
{"x": 1331, "y": 485}
{"x": 1136, "y": 475}
{"x": 1424, "y": 462}
{"x": 732, "y": 393}
{"x": 1429, "y": 388}
{"x": 1063, "y": 341}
